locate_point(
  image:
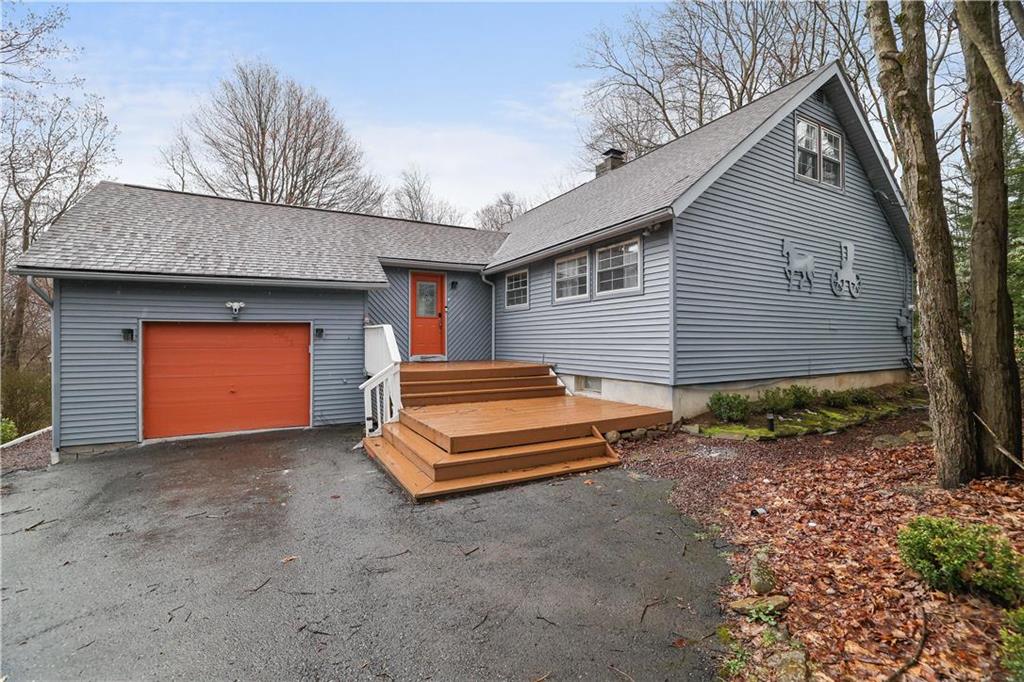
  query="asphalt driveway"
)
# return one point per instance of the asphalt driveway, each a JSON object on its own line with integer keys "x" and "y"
{"x": 289, "y": 556}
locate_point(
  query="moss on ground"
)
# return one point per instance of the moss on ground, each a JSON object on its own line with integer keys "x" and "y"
{"x": 810, "y": 421}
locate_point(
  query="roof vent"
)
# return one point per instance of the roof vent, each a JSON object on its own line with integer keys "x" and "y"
{"x": 613, "y": 158}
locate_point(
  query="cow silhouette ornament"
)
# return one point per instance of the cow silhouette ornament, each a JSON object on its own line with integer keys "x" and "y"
{"x": 845, "y": 277}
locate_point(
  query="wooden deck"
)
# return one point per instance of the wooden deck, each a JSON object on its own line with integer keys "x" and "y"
{"x": 470, "y": 435}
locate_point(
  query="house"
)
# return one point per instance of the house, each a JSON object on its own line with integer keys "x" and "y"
{"x": 769, "y": 246}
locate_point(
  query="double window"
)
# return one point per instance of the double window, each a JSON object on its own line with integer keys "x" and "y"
{"x": 616, "y": 270}
{"x": 572, "y": 277}
{"x": 517, "y": 289}
{"x": 819, "y": 153}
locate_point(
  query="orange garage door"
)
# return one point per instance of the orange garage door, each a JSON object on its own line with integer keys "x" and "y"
{"x": 213, "y": 377}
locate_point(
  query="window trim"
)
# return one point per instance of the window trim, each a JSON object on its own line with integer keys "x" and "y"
{"x": 820, "y": 180}
{"x": 626, "y": 291}
{"x": 797, "y": 149}
{"x": 585, "y": 296}
{"x": 525, "y": 304}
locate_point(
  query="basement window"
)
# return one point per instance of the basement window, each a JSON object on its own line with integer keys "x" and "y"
{"x": 517, "y": 289}
{"x": 571, "y": 277}
{"x": 588, "y": 384}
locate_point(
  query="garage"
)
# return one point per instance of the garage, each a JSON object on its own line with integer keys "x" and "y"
{"x": 203, "y": 377}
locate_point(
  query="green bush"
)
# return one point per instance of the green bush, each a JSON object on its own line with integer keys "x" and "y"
{"x": 863, "y": 396}
{"x": 8, "y": 430}
{"x": 775, "y": 400}
{"x": 729, "y": 407}
{"x": 953, "y": 557}
{"x": 839, "y": 399}
{"x": 25, "y": 398}
{"x": 802, "y": 396}
{"x": 1012, "y": 635}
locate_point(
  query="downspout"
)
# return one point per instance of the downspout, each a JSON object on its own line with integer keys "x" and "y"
{"x": 41, "y": 293}
{"x": 491, "y": 285}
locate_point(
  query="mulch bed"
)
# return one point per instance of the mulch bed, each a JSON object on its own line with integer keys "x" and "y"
{"x": 33, "y": 453}
{"x": 834, "y": 506}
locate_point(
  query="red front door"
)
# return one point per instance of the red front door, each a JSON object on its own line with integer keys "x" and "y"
{"x": 426, "y": 300}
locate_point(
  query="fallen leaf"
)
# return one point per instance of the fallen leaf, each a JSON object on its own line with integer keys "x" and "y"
{"x": 288, "y": 558}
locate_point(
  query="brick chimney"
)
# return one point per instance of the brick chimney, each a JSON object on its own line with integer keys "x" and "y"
{"x": 613, "y": 158}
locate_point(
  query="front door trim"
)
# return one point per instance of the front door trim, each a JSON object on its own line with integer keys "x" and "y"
{"x": 443, "y": 301}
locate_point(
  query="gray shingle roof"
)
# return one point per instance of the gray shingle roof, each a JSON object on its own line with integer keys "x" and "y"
{"x": 130, "y": 229}
{"x": 642, "y": 186}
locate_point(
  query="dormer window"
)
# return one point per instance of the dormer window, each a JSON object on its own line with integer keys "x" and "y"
{"x": 819, "y": 153}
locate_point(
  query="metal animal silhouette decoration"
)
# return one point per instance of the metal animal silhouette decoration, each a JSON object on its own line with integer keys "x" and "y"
{"x": 798, "y": 265}
{"x": 845, "y": 277}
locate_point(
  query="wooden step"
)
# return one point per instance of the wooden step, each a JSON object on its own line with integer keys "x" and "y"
{"x": 452, "y": 397}
{"x": 411, "y": 387}
{"x": 420, "y": 486}
{"x": 442, "y": 466}
{"x": 484, "y": 369}
{"x": 465, "y": 427}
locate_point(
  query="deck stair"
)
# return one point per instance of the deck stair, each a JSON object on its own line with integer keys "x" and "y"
{"x": 425, "y": 385}
{"x": 486, "y": 425}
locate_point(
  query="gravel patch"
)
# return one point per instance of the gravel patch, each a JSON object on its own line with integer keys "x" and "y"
{"x": 33, "y": 453}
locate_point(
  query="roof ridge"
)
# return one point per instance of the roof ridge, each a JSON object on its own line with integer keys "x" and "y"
{"x": 688, "y": 133}
{"x": 259, "y": 202}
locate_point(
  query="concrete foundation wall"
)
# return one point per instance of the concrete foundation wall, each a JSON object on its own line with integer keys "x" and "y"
{"x": 689, "y": 401}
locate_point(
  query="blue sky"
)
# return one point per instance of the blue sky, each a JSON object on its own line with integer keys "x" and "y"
{"x": 484, "y": 97}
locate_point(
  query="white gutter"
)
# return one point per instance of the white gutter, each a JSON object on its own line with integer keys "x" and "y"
{"x": 638, "y": 223}
{"x": 493, "y": 310}
{"x": 429, "y": 264}
{"x": 194, "y": 279}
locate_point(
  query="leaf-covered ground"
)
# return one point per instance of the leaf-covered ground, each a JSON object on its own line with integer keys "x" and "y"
{"x": 834, "y": 507}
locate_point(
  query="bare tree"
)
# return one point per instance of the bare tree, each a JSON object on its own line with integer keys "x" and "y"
{"x": 903, "y": 77}
{"x": 680, "y": 68}
{"x": 414, "y": 199}
{"x": 263, "y": 136}
{"x": 500, "y": 212}
{"x": 53, "y": 151}
{"x": 996, "y": 374}
{"x": 28, "y": 41}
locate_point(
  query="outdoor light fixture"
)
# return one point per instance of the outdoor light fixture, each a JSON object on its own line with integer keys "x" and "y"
{"x": 771, "y": 421}
{"x": 128, "y": 334}
{"x": 235, "y": 307}
{"x": 455, "y": 285}
{"x": 318, "y": 332}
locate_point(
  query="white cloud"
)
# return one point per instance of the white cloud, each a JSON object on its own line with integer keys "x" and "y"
{"x": 468, "y": 165}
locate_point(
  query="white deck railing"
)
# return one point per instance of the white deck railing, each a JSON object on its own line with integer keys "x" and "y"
{"x": 382, "y": 392}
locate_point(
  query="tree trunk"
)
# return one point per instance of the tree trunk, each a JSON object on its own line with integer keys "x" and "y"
{"x": 989, "y": 47}
{"x": 996, "y": 375}
{"x": 904, "y": 82}
{"x": 11, "y": 355}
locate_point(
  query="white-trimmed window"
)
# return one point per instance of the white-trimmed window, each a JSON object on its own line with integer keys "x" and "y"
{"x": 807, "y": 149}
{"x": 831, "y": 157}
{"x": 517, "y": 289}
{"x": 618, "y": 267}
{"x": 572, "y": 277}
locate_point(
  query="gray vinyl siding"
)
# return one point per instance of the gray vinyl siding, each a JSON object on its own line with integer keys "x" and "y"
{"x": 98, "y": 399}
{"x": 469, "y": 312}
{"x": 617, "y": 337}
{"x": 735, "y": 319}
